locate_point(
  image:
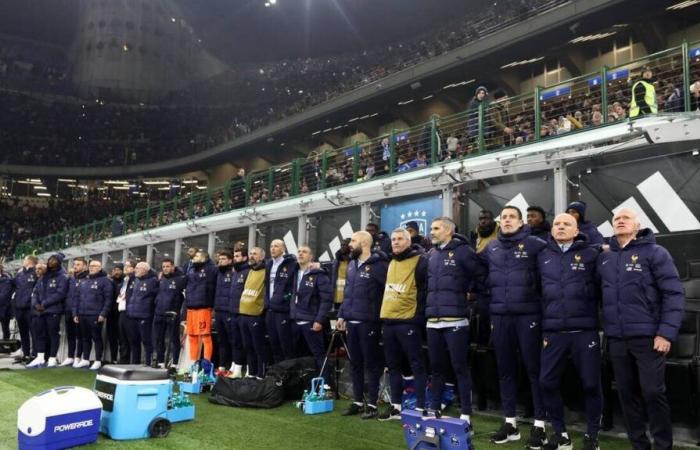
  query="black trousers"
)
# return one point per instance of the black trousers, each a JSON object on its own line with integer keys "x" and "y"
{"x": 124, "y": 346}
{"x": 639, "y": 375}
{"x": 113, "y": 334}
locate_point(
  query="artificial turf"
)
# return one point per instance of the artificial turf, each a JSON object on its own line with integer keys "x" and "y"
{"x": 237, "y": 428}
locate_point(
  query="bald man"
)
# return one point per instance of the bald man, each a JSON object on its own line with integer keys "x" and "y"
{"x": 643, "y": 304}
{"x": 570, "y": 298}
{"x": 139, "y": 311}
{"x": 280, "y": 274}
{"x": 359, "y": 315}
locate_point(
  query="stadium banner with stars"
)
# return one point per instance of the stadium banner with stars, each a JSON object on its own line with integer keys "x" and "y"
{"x": 421, "y": 210}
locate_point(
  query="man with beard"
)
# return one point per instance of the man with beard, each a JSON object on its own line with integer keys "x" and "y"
{"x": 359, "y": 315}
{"x": 280, "y": 273}
{"x": 75, "y": 341}
{"x": 168, "y": 303}
{"x": 485, "y": 232}
{"x": 117, "y": 278}
{"x": 251, "y": 308}
{"x": 223, "y": 309}
{"x": 539, "y": 226}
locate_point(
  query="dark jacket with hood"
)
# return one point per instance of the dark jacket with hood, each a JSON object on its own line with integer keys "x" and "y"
{"x": 312, "y": 297}
{"x": 284, "y": 283}
{"x": 141, "y": 304}
{"x": 170, "y": 292}
{"x": 94, "y": 296}
{"x": 364, "y": 288}
{"x": 513, "y": 281}
{"x": 570, "y": 293}
{"x": 642, "y": 292}
{"x": 74, "y": 291}
{"x": 544, "y": 231}
{"x": 222, "y": 297}
{"x": 382, "y": 243}
{"x": 51, "y": 291}
{"x": 453, "y": 270}
{"x": 201, "y": 285}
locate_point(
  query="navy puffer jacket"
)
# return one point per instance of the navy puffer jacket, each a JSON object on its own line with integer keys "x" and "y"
{"x": 313, "y": 297}
{"x": 94, "y": 295}
{"x": 25, "y": 280}
{"x": 201, "y": 285}
{"x": 513, "y": 281}
{"x": 51, "y": 291}
{"x": 364, "y": 288}
{"x": 141, "y": 304}
{"x": 570, "y": 293}
{"x": 453, "y": 271}
{"x": 170, "y": 292}
{"x": 284, "y": 284}
{"x": 222, "y": 297}
{"x": 642, "y": 292}
{"x": 74, "y": 291}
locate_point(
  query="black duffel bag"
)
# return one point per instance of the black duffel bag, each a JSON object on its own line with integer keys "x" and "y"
{"x": 248, "y": 392}
{"x": 296, "y": 375}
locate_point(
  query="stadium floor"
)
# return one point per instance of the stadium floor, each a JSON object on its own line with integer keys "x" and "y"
{"x": 216, "y": 426}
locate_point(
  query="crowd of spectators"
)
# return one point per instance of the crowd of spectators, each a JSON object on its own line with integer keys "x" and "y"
{"x": 70, "y": 131}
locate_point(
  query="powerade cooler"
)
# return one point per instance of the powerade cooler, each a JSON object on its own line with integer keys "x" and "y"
{"x": 138, "y": 402}
{"x": 59, "y": 418}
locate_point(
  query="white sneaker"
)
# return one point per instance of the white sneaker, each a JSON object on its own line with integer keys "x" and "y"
{"x": 237, "y": 371}
{"x": 161, "y": 365}
{"x": 76, "y": 362}
{"x": 17, "y": 353}
{"x": 83, "y": 363}
{"x": 52, "y": 362}
{"x": 37, "y": 362}
{"x": 67, "y": 362}
{"x": 96, "y": 365}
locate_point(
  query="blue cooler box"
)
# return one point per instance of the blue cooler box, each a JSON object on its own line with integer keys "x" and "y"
{"x": 135, "y": 402}
{"x": 446, "y": 433}
{"x": 59, "y": 418}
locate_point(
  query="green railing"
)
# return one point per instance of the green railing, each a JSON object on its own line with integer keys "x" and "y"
{"x": 591, "y": 100}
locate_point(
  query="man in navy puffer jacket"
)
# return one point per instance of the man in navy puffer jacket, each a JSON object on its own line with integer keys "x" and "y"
{"x": 453, "y": 272}
{"x": 312, "y": 300}
{"x": 359, "y": 314}
{"x": 516, "y": 314}
{"x": 279, "y": 283}
{"x": 24, "y": 283}
{"x": 570, "y": 298}
{"x": 48, "y": 301}
{"x": 643, "y": 304}
{"x": 139, "y": 310}
{"x": 223, "y": 310}
{"x": 75, "y": 340}
{"x": 90, "y": 311}
{"x": 168, "y": 303}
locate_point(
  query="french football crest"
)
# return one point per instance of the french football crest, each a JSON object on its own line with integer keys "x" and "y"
{"x": 635, "y": 258}
{"x": 366, "y": 268}
{"x": 577, "y": 258}
{"x": 521, "y": 247}
{"x": 545, "y": 342}
{"x": 450, "y": 254}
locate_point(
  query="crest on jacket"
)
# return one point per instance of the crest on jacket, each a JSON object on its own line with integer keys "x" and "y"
{"x": 520, "y": 253}
{"x": 577, "y": 264}
{"x": 633, "y": 265}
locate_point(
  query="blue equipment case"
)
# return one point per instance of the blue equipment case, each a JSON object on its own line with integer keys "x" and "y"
{"x": 315, "y": 401}
{"x": 138, "y": 402}
{"x": 432, "y": 433}
{"x": 63, "y": 417}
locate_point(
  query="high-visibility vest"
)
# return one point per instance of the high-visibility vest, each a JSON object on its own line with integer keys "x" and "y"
{"x": 649, "y": 98}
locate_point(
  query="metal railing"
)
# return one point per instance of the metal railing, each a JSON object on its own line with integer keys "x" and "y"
{"x": 574, "y": 105}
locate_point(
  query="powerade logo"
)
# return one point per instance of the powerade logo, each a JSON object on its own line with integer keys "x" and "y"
{"x": 105, "y": 395}
{"x": 72, "y": 426}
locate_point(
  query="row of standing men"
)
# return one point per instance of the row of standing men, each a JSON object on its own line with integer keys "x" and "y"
{"x": 543, "y": 297}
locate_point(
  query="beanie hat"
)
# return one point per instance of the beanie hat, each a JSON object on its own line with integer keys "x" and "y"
{"x": 481, "y": 88}
{"x": 413, "y": 225}
{"x": 579, "y": 207}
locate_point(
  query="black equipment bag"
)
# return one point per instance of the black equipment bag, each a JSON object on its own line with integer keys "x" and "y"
{"x": 296, "y": 375}
{"x": 248, "y": 392}
{"x": 9, "y": 345}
